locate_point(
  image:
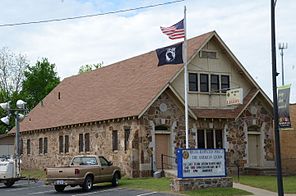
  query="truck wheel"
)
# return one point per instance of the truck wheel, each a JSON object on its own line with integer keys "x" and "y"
{"x": 88, "y": 183}
{"x": 115, "y": 179}
{"x": 59, "y": 188}
{"x": 9, "y": 183}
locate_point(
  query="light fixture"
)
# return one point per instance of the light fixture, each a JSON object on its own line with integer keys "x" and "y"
{"x": 5, "y": 106}
{"x": 21, "y": 117}
{"x": 21, "y": 104}
{"x": 5, "y": 120}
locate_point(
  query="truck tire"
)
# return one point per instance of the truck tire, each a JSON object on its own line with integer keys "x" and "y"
{"x": 88, "y": 183}
{"x": 115, "y": 179}
{"x": 9, "y": 183}
{"x": 59, "y": 188}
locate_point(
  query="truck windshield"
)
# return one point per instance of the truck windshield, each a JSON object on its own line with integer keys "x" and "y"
{"x": 84, "y": 161}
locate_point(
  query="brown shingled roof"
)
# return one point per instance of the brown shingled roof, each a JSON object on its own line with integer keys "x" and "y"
{"x": 226, "y": 113}
{"x": 119, "y": 90}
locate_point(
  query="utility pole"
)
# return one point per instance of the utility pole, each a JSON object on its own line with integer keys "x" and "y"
{"x": 275, "y": 104}
{"x": 283, "y": 46}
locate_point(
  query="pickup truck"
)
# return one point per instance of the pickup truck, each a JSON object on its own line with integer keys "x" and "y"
{"x": 83, "y": 170}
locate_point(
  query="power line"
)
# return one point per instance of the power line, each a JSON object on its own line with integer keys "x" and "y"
{"x": 89, "y": 15}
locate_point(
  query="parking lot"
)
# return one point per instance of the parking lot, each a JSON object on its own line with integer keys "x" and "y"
{"x": 38, "y": 188}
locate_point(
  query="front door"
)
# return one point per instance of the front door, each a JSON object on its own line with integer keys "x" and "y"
{"x": 253, "y": 150}
{"x": 162, "y": 147}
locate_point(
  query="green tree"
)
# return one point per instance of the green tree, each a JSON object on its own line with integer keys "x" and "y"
{"x": 89, "y": 67}
{"x": 12, "y": 68}
{"x": 39, "y": 81}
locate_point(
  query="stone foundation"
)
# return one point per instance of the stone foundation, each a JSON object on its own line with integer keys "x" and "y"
{"x": 188, "y": 184}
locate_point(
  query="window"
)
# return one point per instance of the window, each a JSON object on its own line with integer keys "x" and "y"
{"x": 61, "y": 144}
{"x": 209, "y": 138}
{"x": 28, "y": 146}
{"x": 66, "y": 143}
{"x": 80, "y": 142}
{"x": 45, "y": 145}
{"x": 200, "y": 139}
{"x": 193, "y": 82}
{"x": 40, "y": 145}
{"x": 86, "y": 142}
{"x": 114, "y": 140}
{"x": 21, "y": 147}
{"x": 126, "y": 137}
{"x": 224, "y": 83}
{"x": 208, "y": 54}
{"x": 204, "y": 83}
{"x": 215, "y": 83}
{"x": 103, "y": 161}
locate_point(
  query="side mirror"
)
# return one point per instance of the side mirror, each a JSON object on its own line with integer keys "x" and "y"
{"x": 110, "y": 163}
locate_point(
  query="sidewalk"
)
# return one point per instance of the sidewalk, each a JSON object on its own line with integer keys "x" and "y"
{"x": 257, "y": 191}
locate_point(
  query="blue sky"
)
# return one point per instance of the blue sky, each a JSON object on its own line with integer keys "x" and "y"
{"x": 243, "y": 25}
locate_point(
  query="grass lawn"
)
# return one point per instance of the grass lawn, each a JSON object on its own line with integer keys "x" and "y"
{"x": 269, "y": 182}
{"x": 163, "y": 185}
{"x": 36, "y": 174}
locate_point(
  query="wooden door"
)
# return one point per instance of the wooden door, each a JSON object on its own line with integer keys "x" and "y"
{"x": 253, "y": 150}
{"x": 162, "y": 147}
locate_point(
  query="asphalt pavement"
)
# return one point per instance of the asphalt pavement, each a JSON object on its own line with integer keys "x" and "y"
{"x": 26, "y": 188}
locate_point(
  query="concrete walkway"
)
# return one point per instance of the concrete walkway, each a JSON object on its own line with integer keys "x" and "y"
{"x": 257, "y": 191}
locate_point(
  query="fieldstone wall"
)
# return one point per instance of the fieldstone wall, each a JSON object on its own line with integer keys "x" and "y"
{"x": 100, "y": 144}
{"x": 188, "y": 184}
{"x": 173, "y": 118}
{"x": 237, "y": 136}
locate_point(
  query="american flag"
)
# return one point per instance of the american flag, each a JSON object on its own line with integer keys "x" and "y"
{"x": 176, "y": 31}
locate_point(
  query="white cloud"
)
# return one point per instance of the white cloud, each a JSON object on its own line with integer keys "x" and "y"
{"x": 243, "y": 25}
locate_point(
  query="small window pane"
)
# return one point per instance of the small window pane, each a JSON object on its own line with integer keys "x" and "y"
{"x": 215, "y": 83}
{"x": 80, "y": 142}
{"x": 114, "y": 140}
{"x": 21, "y": 147}
{"x": 45, "y": 145}
{"x": 28, "y": 146}
{"x": 225, "y": 84}
{"x": 126, "y": 137}
{"x": 200, "y": 139}
{"x": 219, "y": 142}
{"x": 66, "y": 143}
{"x": 204, "y": 83}
{"x": 86, "y": 136}
{"x": 210, "y": 139}
{"x": 193, "y": 82}
{"x": 61, "y": 144}
{"x": 40, "y": 145}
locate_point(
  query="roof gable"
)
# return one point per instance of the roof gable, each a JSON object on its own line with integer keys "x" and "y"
{"x": 119, "y": 90}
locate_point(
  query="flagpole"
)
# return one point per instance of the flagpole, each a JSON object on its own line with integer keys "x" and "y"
{"x": 185, "y": 78}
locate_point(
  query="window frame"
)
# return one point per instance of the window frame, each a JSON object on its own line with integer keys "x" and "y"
{"x": 216, "y": 83}
{"x": 45, "y": 145}
{"x": 203, "y": 84}
{"x": 195, "y": 83}
{"x": 127, "y": 132}
{"x": 28, "y": 146}
{"x": 223, "y": 84}
{"x": 114, "y": 140}
{"x": 40, "y": 145}
{"x": 81, "y": 142}
{"x": 205, "y": 138}
{"x": 86, "y": 142}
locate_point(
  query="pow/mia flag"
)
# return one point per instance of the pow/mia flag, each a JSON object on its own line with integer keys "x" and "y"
{"x": 170, "y": 55}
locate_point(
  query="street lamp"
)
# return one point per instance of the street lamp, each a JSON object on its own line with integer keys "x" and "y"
{"x": 21, "y": 107}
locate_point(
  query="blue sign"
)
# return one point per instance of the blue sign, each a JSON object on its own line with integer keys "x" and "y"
{"x": 201, "y": 163}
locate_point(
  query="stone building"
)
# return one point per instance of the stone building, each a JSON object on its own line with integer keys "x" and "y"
{"x": 288, "y": 144}
{"x": 133, "y": 111}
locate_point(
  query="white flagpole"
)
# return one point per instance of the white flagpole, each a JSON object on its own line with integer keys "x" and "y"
{"x": 185, "y": 79}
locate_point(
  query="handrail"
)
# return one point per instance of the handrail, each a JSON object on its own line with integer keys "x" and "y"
{"x": 168, "y": 164}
